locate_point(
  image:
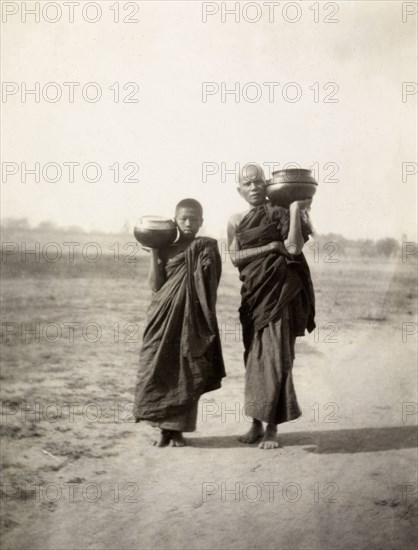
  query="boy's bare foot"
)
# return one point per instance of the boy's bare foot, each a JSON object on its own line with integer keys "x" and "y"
{"x": 254, "y": 434}
{"x": 269, "y": 440}
{"x": 165, "y": 438}
{"x": 177, "y": 439}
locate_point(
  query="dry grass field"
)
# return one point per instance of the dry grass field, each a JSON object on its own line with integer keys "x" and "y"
{"x": 78, "y": 473}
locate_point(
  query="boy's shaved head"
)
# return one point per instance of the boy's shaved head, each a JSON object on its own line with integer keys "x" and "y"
{"x": 189, "y": 218}
{"x": 251, "y": 171}
{"x": 190, "y": 203}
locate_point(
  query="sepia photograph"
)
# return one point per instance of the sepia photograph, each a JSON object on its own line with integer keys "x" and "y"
{"x": 209, "y": 333}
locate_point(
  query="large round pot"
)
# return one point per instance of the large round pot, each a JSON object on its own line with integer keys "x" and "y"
{"x": 155, "y": 231}
{"x": 293, "y": 184}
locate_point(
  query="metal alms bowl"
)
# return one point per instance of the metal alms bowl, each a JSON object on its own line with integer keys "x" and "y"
{"x": 293, "y": 184}
{"x": 155, "y": 231}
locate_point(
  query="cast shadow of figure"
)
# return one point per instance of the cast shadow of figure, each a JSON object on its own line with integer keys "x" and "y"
{"x": 355, "y": 440}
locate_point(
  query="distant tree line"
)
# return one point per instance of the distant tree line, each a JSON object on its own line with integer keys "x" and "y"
{"x": 385, "y": 247}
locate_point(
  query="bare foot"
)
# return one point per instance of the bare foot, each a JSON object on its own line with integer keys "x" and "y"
{"x": 269, "y": 440}
{"x": 165, "y": 438}
{"x": 254, "y": 434}
{"x": 177, "y": 439}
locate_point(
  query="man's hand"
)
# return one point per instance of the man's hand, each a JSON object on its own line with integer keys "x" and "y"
{"x": 294, "y": 242}
{"x": 276, "y": 246}
{"x": 279, "y": 248}
{"x": 301, "y": 205}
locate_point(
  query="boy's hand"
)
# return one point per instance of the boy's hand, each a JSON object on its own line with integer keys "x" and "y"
{"x": 155, "y": 252}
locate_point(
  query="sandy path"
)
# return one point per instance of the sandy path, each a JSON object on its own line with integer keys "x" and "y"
{"x": 178, "y": 498}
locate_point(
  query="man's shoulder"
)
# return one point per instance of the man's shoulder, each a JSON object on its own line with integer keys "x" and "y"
{"x": 235, "y": 219}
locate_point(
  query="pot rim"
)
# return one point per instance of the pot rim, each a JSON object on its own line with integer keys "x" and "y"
{"x": 270, "y": 183}
{"x": 156, "y": 218}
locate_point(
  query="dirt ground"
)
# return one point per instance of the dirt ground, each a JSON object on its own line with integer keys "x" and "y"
{"x": 78, "y": 473}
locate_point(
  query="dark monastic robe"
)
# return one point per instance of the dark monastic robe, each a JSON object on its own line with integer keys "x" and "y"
{"x": 277, "y": 305}
{"x": 181, "y": 356}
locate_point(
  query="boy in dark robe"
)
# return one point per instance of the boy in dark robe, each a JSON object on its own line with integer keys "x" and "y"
{"x": 181, "y": 356}
{"x": 277, "y": 301}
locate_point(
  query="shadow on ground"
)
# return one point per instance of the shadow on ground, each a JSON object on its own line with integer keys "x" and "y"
{"x": 363, "y": 440}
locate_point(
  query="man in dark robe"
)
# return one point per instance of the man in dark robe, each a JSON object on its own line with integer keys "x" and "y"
{"x": 277, "y": 304}
{"x": 181, "y": 355}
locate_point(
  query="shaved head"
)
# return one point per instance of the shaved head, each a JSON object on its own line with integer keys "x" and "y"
{"x": 190, "y": 203}
{"x": 252, "y": 184}
{"x": 251, "y": 171}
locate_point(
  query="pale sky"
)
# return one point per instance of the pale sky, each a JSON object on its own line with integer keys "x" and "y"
{"x": 170, "y": 133}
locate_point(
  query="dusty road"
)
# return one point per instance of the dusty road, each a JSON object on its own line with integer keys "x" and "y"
{"x": 344, "y": 476}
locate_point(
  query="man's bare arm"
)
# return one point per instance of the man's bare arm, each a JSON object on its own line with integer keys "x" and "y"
{"x": 241, "y": 257}
{"x": 294, "y": 242}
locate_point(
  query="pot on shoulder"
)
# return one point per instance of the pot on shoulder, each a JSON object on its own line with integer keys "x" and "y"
{"x": 292, "y": 184}
{"x": 155, "y": 231}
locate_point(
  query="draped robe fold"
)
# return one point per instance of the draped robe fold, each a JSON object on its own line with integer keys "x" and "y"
{"x": 181, "y": 355}
{"x": 277, "y": 305}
